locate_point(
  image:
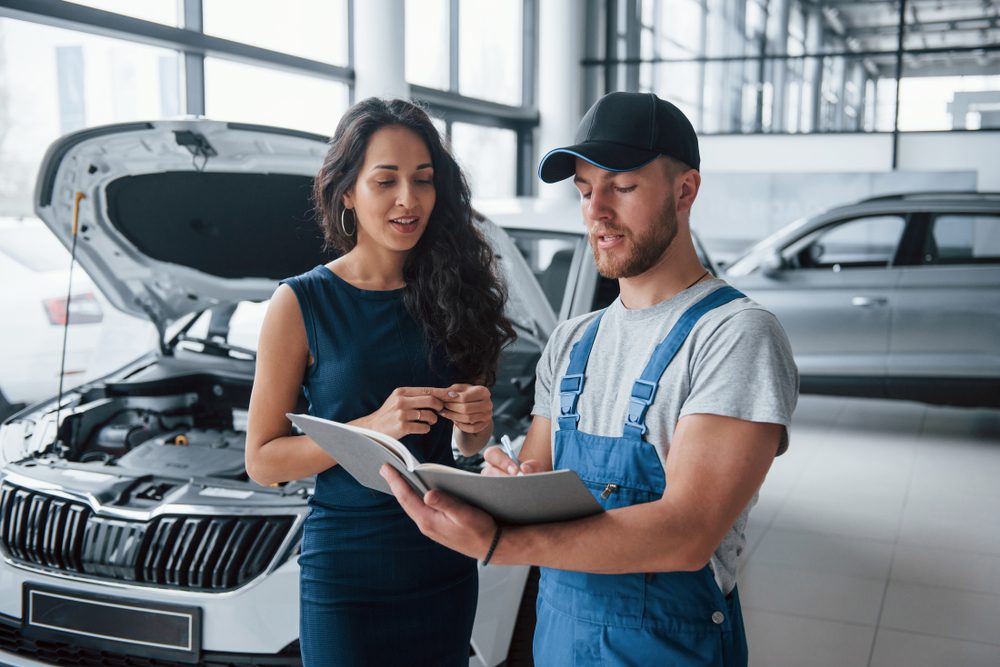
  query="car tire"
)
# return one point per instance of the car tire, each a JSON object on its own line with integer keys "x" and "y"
{"x": 519, "y": 654}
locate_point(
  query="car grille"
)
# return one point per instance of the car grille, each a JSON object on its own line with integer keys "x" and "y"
{"x": 191, "y": 552}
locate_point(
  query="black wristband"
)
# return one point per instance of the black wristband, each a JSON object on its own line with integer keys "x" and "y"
{"x": 493, "y": 544}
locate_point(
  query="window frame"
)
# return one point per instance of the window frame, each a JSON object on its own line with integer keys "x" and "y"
{"x": 193, "y": 45}
{"x": 614, "y": 61}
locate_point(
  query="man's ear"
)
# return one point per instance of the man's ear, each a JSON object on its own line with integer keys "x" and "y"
{"x": 686, "y": 186}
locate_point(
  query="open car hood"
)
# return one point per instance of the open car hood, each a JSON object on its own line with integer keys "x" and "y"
{"x": 182, "y": 215}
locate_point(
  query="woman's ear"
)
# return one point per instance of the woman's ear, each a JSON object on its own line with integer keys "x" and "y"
{"x": 348, "y": 200}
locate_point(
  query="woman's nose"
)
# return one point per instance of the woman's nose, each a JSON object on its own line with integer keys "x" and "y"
{"x": 405, "y": 196}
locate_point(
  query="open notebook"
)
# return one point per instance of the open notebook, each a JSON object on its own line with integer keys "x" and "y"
{"x": 549, "y": 496}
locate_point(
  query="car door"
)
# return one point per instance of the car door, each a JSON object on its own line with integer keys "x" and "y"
{"x": 832, "y": 292}
{"x": 945, "y": 340}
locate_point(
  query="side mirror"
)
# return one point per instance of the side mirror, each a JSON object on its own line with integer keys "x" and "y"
{"x": 772, "y": 264}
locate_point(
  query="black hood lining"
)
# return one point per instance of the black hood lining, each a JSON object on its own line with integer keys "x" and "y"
{"x": 231, "y": 225}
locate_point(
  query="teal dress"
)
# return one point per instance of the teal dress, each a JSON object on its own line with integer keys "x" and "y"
{"x": 373, "y": 589}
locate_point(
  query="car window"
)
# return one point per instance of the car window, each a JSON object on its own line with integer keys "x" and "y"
{"x": 963, "y": 239}
{"x": 868, "y": 242}
{"x": 549, "y": 255}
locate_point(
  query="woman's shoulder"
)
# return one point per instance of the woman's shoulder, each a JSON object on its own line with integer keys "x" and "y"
{"x": 312, "y": 276}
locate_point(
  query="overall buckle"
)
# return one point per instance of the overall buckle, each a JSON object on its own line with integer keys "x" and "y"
{"x": 640, "y": 399}
{"x": 571, "y": 383}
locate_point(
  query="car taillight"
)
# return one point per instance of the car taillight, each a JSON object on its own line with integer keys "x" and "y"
{"x": 83, "y": 309}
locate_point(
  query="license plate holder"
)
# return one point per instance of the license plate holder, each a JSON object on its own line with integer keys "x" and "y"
{"x": 133, "y": 627}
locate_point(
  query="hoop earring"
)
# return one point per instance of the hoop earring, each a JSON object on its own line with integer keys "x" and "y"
{"x": 343, "y": 226}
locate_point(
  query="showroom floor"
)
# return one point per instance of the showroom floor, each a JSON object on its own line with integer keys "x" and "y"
{"x": 876, "y": 540}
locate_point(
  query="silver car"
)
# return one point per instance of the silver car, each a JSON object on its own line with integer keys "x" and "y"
{"x": 895, "y": 296}
{"x": 129, "y": 530}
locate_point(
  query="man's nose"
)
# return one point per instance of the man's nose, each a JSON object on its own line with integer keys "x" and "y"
{"x": 598, "y": 205}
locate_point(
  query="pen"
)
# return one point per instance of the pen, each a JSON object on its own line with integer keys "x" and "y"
{"x": 509, "y": 451}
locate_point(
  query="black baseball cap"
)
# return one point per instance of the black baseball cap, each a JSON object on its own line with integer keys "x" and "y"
{"x": 622, "y": 132}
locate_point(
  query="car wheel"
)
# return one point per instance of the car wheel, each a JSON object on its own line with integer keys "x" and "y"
{"x": 519, "y": 654}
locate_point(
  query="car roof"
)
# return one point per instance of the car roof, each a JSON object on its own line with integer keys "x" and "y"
{"x": 912, "y": 201}
{"x": 950, "y": 196}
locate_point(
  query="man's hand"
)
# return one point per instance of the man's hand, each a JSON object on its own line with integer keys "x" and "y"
{"x": 498, "y": 464}
{"x": 442, "y": 518}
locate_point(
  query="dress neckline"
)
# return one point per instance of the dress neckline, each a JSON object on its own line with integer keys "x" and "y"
{"x": 359, "y": 291}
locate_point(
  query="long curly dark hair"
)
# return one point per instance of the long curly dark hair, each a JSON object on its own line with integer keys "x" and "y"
{"x": 453, "y": 286}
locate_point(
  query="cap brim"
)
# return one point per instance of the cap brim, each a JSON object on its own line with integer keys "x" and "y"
{"x": 560, "y": 163}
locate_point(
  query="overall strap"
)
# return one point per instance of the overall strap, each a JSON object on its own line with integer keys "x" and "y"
{"x": 644, "y": 389}
{"x": 571, "y": 384}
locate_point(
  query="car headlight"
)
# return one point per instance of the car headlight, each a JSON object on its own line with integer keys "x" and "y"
{"x": 13, "y": 442}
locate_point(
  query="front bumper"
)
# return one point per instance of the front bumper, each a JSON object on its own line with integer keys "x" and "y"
{"x": 258, "y": 621}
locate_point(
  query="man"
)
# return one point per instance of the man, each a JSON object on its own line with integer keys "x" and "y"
{"x": 671, "y": 405}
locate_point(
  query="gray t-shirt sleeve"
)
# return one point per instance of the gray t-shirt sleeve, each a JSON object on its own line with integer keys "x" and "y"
{"x": 745, "y": 370}
{"x": 544, "y": 375}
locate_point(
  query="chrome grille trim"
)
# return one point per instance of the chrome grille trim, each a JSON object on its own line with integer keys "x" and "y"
{"x": 212, "y": 553}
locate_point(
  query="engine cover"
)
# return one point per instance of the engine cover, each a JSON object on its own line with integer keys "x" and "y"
{"x": 189, "y": 453}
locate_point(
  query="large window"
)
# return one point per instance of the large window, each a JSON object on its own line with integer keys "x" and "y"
{"x": 167, "y": 12}
{"x": 246, "y": 93}
{"x": 55, "y": 81}
{"x": 486, "y": 155}
{"x": 471, "y": 62}
{"x": 471, "y": 47}
{"x": 490, "y": 50}
{"x": 313, "y": 29}
{"x": 749, "y": 66}
{"x": 428, "y": 31}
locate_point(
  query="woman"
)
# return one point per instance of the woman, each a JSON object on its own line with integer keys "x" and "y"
{"x": 400, "y": 334}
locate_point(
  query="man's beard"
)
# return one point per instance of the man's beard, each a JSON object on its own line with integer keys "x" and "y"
{"x": 645, "y": 251}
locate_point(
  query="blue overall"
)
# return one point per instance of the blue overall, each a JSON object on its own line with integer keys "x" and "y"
{"x": 662, "y": 618}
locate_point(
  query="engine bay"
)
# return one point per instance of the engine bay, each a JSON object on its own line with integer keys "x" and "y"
{"x": 175, "y": 425}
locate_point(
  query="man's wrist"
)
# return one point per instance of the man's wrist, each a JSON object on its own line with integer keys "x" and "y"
{"x": 493, "y": 545}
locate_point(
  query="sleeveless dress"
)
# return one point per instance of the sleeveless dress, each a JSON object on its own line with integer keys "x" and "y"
{"x": 373, "y": 589}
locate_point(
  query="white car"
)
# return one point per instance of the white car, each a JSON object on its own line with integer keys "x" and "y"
{"x": 128, "y": 525}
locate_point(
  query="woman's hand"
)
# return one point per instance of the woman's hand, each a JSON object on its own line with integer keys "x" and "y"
{"x": 408, "y": 410}
{"x": 468, "y": 406}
